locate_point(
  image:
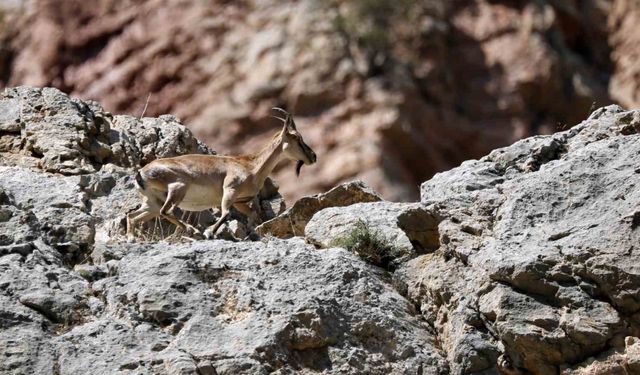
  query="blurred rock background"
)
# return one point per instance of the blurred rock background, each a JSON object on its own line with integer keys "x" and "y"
{"x": 388, "y": 91}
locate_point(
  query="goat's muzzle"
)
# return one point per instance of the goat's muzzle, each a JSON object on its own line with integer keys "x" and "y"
{"x": 312, "y": 159}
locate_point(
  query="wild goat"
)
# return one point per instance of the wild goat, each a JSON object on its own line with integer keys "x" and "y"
{"x": 199, "y": 182}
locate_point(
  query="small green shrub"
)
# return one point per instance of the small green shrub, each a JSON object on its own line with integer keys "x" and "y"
{"x": 369, "y": 244}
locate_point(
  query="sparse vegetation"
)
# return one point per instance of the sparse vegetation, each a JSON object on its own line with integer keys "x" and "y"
{"x": 158, "y": 230}
{"x": 369, "y": 21}
{"x": 369, "y": 244}
{"x": 368, "y": 25}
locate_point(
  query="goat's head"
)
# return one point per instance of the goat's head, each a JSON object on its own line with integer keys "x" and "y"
{"x": 293, "y": 145}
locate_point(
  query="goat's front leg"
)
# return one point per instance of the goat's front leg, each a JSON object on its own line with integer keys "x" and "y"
{"x": 228, "y": 196}
{"x": 244, "y": 208}
{"x": 257, "y": 208}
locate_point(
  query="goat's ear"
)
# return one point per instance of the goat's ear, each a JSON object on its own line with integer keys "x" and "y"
{"x": 290, "y": 124}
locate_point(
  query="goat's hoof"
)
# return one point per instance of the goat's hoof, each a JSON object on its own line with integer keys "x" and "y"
{"x": 193, "y": 230}
{"x": 208, "y": 234}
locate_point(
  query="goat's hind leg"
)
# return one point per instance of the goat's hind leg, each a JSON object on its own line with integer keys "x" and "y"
{"x": 175, "y": 195}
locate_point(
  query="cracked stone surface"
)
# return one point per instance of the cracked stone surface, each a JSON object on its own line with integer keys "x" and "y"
{"x": 294, "y": 220}
{"x": 410, "y": 228}
{"x": 224, "y": 302}
{"x": 524, "y": 261}
{"x": 537, "y": 269}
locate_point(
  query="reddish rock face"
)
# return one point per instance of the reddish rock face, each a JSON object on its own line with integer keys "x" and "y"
{"x": 625, "y": 41}
{"x": 387, "y": 94}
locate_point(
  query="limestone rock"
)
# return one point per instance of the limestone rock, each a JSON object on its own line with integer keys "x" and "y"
{"x": 71, "y": 137}
{"x": 536, "y": 266}
{"x": 73, "y": 299}
{"x": 39, "y": 299}
{"x": 64, "y": 133}
{"x": 271, "y": 203}
{"x": 137, "y": 142}
{"x": 17, "y": 227}
{"x": 625, "y": 361}
{"x": 293, "y": 221}
{"x": 410, "y": 228}
{"x": 55, "y": 207}
{"x": 233, "y": 230}
{"x": 213, "y": 305}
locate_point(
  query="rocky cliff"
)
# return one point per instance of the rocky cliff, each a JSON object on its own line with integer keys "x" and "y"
{"x": 379, "y": 87}
{"x": 523, "y": 261}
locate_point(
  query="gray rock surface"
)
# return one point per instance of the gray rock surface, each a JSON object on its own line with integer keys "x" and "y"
{"x": 521, "y": 262}
{"x": 71, "y": 137}
{"x": 40, "y": 298}
{"x": 613, "y": 361}
{"x": 137, "y": 142}
{"x": 537, "y": 269}
{"x": 249, "y": 308}
{"x": 293, "y": 221}
{"x": 52, "y": 207}
{"x": 411, "y": 228}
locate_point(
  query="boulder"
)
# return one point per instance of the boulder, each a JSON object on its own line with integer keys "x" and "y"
{"x": 536, "y": 267}
{"x": 136, "y": 142}
{"x": 215, "y": 306}
{"x": 293, "y": 221}
{"x": 40, "y": 298}
{"x": 54, "y": 208}
{"x": 67, "y": 135}
{"x": 407, "y": 228}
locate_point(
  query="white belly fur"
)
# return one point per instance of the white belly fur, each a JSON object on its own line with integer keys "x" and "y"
{"x": 201, "y": 197}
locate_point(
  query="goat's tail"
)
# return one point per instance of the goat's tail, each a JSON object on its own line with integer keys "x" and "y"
{"x": 140, "y": 181}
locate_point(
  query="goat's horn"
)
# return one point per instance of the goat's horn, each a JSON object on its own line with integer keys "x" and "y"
{"x": 279, "y": 118}
{"x": 288, "y": 119}
{"x": 287, "y": 114}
